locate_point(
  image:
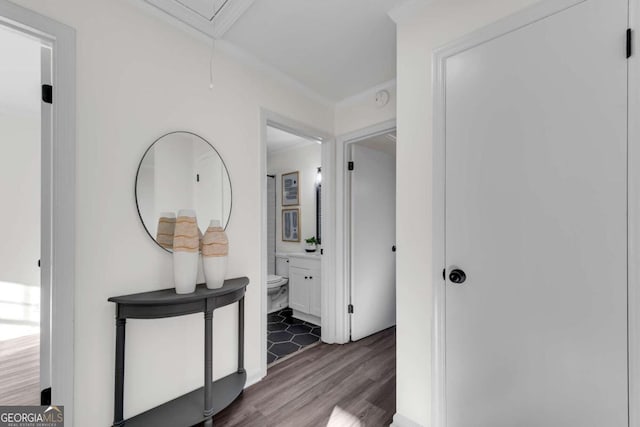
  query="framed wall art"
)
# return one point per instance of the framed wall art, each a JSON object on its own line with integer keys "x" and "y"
{"x": 291, "y": 225}
{"x": 290, "y": 189}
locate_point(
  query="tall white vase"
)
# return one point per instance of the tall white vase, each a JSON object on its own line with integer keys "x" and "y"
{"x": 186, "y": 245}
{"x": 215, "y": 250}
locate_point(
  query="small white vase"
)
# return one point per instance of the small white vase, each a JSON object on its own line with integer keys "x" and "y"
{"x": 186, "y": 245}
{"x": 215, "y": 250}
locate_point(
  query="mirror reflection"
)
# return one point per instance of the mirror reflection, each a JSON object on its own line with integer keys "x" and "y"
{"x": 181, "y": 170}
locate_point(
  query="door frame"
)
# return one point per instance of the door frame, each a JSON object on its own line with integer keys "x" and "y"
{"x": 327, "y": 260}
{"x": 633, "y": 222}
{"x": 507, "y": 25}
{"x": 342, "y": 295}
{"x": 59, "y": 171}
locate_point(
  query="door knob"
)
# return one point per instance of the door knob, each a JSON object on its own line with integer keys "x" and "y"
{"x": 457, "y": 276}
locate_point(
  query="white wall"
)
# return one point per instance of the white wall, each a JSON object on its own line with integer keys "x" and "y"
{"x": 19, "y": 158}
{"x": 420, "y": 31}
{"x": 306, "y": 160}
{"x": 139, "y": 78}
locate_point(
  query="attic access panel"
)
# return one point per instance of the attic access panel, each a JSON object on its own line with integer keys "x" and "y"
{"x": 211, "y": 17}
{"x": 205, "y": 8}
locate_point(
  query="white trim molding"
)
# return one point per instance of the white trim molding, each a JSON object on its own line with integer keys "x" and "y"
{"x": 250, "y": 60}
{"x": 365, "y": 95}
{"x": 408, "y": 9}
{"x": 633, "y": 230}
{"x": 62, "y": 178}
{"x": 402, "y": 421}
{"x": 340, "y": 296}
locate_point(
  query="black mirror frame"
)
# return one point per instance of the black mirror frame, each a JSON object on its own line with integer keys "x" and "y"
{"x": 135, "y": 183}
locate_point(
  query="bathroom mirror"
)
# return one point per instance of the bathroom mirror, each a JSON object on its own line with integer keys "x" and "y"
{"x": 181, "y": 170}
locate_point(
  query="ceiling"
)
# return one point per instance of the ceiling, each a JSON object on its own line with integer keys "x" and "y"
{"x": 336, "y": 48}
{"x": 279, "y": 140}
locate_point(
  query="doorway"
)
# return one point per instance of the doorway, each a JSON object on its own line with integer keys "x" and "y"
{"x": 294, "y": 182}
{"x": 531, "y": 226}
{"x": 24, "y": 350}
{"x": 294, "y": 159}
{"x": 371, "y": 185}
{"x": 55, "y": 166}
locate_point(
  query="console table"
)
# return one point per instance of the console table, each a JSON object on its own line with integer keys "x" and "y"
{"x": 199, "y": 405}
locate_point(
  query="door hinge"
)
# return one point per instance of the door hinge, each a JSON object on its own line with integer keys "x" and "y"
{"x": 45, "y": 397}
{"x": 629, "y": 42}
{"x": 350, "y": 166}
{"x": 197, "y": 177}
{"x": 47, "y": 94}
{"x": 321, "y": 251}
{"x": 350, "y": 309}
{"x": 38, "y": 263}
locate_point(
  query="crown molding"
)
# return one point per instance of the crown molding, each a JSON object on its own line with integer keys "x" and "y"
{"x": 365, "y": 95}
{"x": 249, "y": 59}
{"x": 407, "y": 10}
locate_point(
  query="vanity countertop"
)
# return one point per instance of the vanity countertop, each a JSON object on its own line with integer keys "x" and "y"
{"x": 306, "y": 255}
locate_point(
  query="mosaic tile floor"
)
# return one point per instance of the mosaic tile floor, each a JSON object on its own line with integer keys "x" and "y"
{"x": 286, "y": 334}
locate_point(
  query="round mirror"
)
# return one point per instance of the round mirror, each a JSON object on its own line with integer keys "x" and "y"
{"x": 181, "y": 170}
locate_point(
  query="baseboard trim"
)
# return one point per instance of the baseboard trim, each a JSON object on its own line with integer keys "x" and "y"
{"x": 253, "y": 379}
{"x": 402, "y": 421}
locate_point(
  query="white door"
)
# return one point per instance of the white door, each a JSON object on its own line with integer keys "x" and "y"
{"x": 536, "y": 205}
{"x": 373, "y": 234}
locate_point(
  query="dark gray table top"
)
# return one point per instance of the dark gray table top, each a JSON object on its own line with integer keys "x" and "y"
{"x": 169, "y": 296}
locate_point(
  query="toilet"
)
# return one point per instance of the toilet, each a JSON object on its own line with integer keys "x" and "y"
{"x": 277, "y": 285}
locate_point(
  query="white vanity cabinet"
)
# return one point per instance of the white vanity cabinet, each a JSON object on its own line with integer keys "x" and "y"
{"x": 304, "y": 287}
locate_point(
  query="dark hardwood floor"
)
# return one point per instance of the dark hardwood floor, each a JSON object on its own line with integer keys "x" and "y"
{"x": 359, "y": 378}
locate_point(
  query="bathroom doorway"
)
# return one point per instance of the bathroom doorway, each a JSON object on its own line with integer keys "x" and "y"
{"x": 294, "y": 182}
{"x": 295, "y": 158}
{"x": 24, "y": 350}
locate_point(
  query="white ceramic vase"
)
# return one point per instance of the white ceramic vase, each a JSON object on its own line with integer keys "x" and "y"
{"x": 215, "y": 250}
{"x": 186, "y": 246}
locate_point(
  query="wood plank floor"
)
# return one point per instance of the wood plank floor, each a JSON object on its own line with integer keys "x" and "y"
{"x": 20, "y": 371}
{"x": 358, "y": 378}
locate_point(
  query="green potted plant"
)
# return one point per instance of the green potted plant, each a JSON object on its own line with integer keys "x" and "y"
{"x": 310, "y": 244}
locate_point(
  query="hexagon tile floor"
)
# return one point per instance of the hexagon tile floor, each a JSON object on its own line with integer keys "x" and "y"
{"x": 286, "y": 334}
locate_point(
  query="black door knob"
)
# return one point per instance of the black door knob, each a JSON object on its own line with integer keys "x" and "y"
{"x": 457, "y": 276}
